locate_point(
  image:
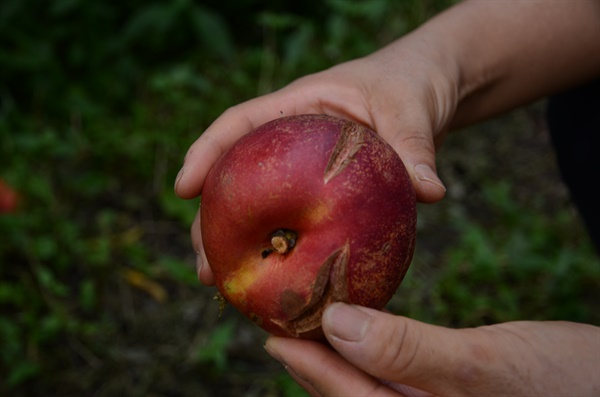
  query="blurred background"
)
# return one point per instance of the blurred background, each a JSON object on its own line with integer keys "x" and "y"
{"x": 99, "y": 101}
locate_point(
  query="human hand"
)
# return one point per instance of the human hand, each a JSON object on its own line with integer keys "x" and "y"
{"x": 476, "y": 60}
{"x": 379, "y": 354}
{"x": 409, "y": 106}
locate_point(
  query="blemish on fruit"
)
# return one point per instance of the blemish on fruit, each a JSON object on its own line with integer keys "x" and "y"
{"x": 349, "y": 143}
{"x": 266, "y": 253}
{"x": 292, "y": 303}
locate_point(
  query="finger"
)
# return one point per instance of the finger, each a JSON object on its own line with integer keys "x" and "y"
{"x": 404, "y": 351}
{"x": 301, "y": 381}
{"x": 205, "y": 274}
{"x": 321, "y": 370}
{"x": 218, "y": 137}
{"x": 412, "y": 139}
{"x": 406, "y": 391}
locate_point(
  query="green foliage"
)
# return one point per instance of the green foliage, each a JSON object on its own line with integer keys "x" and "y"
{"x": 93, "y": 198}
{"x": 527, "y": 268}
{"x": 99, "y": 102}
{"x": 68, "y": 59}
{"x": 214, "y": 352}
{"x": 289, "y": 387}
{"x": 513, "y": 265}
{"x": 77, "y": 57}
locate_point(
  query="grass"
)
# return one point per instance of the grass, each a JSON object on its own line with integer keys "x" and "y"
{"x": 98, "y": 292}
{"x": 522, "y": 266}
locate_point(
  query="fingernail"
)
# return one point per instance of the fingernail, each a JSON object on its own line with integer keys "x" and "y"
{"x": 346, "y": 322}
{"x": 178, "y": 178}
{"x": 271, "y": 350}
{"x": 424, "y": 173}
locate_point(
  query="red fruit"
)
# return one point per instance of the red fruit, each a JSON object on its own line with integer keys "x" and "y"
{"x": 9, "y": 199}
{"x": 305, "y": 211}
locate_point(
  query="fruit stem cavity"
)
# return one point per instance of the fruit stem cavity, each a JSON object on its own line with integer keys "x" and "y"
{"x": 283, "y": 241}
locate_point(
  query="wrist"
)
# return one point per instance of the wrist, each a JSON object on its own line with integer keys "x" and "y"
{"x": 511, "y": 55}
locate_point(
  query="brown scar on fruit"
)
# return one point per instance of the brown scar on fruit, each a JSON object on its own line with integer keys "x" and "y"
{"x": 292, "y": 303}
{"x": 329, "y": 286}
{"x": 349, "y": 143}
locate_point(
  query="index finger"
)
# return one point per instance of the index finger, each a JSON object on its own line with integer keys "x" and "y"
{"x": 221, "y": 135}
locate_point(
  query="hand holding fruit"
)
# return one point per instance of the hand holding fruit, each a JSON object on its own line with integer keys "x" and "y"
{"x": 417, "y": 360}
{"x": 342, "y": 91}
{"x": 453, "y": 71}
{"x": 475, "y": 61}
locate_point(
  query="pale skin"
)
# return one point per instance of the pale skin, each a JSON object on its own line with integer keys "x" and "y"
{"x": 474, "y": 61}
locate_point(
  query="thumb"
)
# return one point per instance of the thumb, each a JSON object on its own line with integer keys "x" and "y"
{"x": 399, "y": 349}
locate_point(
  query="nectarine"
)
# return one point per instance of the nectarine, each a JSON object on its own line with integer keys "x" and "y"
{"x": 304, "y": 211}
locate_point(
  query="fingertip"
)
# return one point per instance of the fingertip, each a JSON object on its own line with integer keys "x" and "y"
{"x": 177, "y": 179}
{"x": 417, "y": 152}
{"x": 199, "y": 160}
{"x": 428, "y": 186}
{"x": 272, "y": 347}
{"x": 187, "y": 188}
{"x": 205, "y": 274}
{"x": 184, "y": 189}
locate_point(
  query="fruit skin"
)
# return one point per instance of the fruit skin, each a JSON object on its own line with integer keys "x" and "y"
{"x": 335, "y": 185}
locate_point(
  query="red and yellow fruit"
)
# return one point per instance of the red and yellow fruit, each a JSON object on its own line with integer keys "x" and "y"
{"x": 304, "y": 211}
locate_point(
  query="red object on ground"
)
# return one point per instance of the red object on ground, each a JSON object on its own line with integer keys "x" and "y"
{"x": 9, "y": 198}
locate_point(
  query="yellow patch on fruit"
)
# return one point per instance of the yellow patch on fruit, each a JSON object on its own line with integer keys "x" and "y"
{"x": 243, "y": 279}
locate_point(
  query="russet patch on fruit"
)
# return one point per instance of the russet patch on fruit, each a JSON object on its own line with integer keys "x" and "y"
{"x": 305, "y": 211}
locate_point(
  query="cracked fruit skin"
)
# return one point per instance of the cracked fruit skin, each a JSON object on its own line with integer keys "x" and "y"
{"x": 304, "y": 211}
